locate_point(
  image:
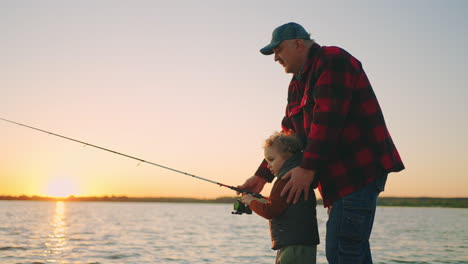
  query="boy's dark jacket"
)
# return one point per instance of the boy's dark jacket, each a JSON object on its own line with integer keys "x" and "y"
{"x": 297, "y": 225}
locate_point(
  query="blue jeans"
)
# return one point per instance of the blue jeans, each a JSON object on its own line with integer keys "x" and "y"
{"x": 349, "y": 225}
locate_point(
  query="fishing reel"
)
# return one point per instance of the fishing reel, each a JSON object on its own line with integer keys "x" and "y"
{"x": 241, "y": 208}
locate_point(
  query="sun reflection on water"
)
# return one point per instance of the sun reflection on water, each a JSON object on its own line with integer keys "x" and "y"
{"x": 57, "y": 241}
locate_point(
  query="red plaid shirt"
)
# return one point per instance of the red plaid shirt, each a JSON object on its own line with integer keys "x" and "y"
{"x": 332, "y": 108}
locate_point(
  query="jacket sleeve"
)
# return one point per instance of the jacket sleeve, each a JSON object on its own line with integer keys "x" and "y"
{"x": 332, "y": 92}
{"x": 264, "y": 172}
{"x": 275, "y": 205}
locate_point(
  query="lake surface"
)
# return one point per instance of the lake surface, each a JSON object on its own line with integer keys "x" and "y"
{"x": 106, "y": 232}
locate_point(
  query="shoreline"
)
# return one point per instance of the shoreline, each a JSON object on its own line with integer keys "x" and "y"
{"x": 382, "y": 201}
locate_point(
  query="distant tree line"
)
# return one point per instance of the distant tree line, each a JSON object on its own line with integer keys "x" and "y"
{"x": 423, "y": 202}
{"x": 383, "y": 201}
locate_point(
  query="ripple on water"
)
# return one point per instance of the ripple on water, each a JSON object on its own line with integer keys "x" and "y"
{"x": 122, "y": 256}
{"x": 35, "y": 262}
{"x": 12, "y": 248}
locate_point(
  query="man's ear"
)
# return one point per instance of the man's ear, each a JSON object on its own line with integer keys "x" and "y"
{"x": 299, "y": 44}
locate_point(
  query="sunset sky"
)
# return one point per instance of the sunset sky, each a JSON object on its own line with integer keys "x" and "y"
{"x": 182, "y": 84}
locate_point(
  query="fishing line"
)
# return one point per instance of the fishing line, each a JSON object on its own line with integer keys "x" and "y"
{"x": 257, "y": 195}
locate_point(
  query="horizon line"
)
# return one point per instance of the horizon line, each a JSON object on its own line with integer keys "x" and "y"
{"x": 181, "y": 197}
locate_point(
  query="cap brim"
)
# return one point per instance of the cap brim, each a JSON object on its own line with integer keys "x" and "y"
{"x": 268, "y": 49}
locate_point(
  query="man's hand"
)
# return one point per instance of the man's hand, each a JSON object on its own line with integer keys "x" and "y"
{"x": 301, "y": 179}
{"x": 253, "y": 184}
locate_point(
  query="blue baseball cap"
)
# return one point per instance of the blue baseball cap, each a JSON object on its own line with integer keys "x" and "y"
{"x": 287, "y": 31}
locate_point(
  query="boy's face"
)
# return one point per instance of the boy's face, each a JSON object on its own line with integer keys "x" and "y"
{"x": 275, "y": 160}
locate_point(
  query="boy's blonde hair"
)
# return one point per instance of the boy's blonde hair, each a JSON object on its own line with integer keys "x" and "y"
{"x": 284, "y": 143}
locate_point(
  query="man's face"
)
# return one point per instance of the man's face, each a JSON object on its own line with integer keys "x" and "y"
{"x": 288, "y": 56}
{"x": 275, "y": 160}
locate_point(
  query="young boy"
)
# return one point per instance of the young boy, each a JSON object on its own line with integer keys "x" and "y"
{"x": 293, "y": 227}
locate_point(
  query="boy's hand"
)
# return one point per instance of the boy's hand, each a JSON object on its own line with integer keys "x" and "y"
{"x": 247, "y": 198}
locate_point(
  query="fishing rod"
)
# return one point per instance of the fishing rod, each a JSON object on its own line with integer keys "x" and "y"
{"x": 239, "y": 190}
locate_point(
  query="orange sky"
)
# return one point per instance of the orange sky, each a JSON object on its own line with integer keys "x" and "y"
{"x": 185, "y": 87}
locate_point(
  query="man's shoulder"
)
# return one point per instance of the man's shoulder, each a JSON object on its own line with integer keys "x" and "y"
{"x": 334, "y": 54}
{"x": 334, "y": 51}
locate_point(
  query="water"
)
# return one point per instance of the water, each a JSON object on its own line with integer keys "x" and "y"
{"x": 104, "y": 232}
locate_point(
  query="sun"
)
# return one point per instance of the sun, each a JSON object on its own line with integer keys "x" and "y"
{"x": 61, "y": 187}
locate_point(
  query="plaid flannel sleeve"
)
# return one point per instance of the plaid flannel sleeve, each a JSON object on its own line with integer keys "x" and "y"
{"x": 332, "y": 93}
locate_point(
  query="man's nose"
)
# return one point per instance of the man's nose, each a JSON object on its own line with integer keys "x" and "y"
{"x": 276, "y": 57}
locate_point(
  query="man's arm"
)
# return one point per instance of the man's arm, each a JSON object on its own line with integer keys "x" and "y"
{"x": 332, "y": 94}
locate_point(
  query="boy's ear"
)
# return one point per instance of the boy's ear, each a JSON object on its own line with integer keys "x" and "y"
{"x": 287, "y": 155}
